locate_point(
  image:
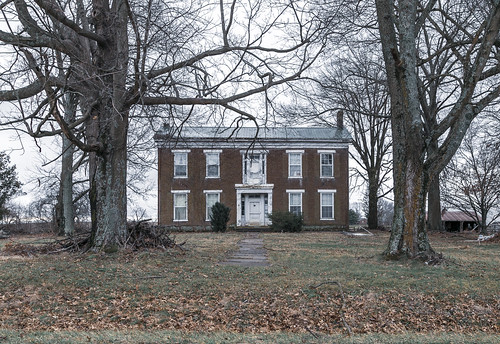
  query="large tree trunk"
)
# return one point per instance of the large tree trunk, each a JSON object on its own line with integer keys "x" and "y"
{"x": 108, "y": 174}
{"x": 408, "y": 235}
{"x": 434, "y": 196}
{"x": 66, "y": 217}
{"x": 372, "y": 220}
{"x": 434, "y": 206}
{"x": 108, "y": 126}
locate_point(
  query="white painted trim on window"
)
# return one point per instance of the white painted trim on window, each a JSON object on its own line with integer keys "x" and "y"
{"x": 295, "y": 191}
{"x": 289, "y": 165}
{"x": 181, "y": 150}
{"x": 328, "y": 151}
{"x": 300, "y": 151}
{"x": 180, "y": 192}
{"x": 210, "y": 192}
{"x": 254, "y": 151}
{"x": 212, "y": 151}
{"x": 301, "y": 201}
{"x": 327, "y": 191}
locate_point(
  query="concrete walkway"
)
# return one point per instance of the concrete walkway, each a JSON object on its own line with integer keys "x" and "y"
{"x": 251, "y": 252}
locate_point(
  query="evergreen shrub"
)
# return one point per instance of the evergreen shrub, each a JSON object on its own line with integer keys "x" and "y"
{"x": 219, "y": 217}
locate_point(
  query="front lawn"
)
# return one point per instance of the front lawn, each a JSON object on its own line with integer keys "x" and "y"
{"x": 186, "y": 297}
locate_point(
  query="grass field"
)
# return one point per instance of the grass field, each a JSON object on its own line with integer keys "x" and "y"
{"x": 187, "y": 297}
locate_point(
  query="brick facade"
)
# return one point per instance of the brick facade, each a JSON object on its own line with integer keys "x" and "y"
{"x": 243, "y": 187}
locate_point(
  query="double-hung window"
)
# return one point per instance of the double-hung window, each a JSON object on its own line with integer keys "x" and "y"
{"x": 212, "y": 164}
{"x": 295, "y": 164}
{"x": 327, "y": 198}
{"x": 326, "y": 164}
{"x": 211, "y": 197}
{"x": 180, "y": 205}
{"x": 295, "y": 201}
{"x": 180, "y": 164}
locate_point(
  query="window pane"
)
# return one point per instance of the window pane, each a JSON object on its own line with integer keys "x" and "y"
{"x": 294, "y": 159}
{"x": 327, "y": 205}
{"x": 295, "y": 199}
{"x": 326, "y": 165}
{"x": 295, "y": 164}
{"x": 326, "y": 213}
{"x": 295, "y": 171}
{"x": 326, "y": 199}
{"x": 180, "y": 200}
{"x": 296, "y": 210}
{"x": 180, "y": 207}
{"x": 212, "y": 159}
{"x": 180, "y": 165}
{"x": 212, "y": 170}
{"x": 212, "y": 198}
{"x": 327, "y": 159}
{"x": 180, "y": 158}
{"x": 180, "y": 170}
{"x": 326, "y": 171}
{"x": 180, "y": 214}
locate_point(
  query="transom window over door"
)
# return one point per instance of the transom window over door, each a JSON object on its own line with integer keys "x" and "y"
{"x": 181, "y": 164}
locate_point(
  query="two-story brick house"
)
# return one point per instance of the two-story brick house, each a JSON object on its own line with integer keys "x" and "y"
{"x": 303, "y": 170}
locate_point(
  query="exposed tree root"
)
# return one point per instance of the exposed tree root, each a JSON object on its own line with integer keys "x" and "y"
{"x": 141, "y": 235}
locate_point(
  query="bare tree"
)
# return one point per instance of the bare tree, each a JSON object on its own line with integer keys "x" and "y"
{"x": 471, "y": 181}
{"x": 471, "y": 84}
{"x": 357, "y": 86}
{"x": 122, "y": 54}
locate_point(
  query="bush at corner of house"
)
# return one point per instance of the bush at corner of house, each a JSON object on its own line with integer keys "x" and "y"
{"x": 219, "y": 217}
{"x": 285, "y": 221}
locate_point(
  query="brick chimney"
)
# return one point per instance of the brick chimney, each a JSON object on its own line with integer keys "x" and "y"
{"x": 340, "y": 119}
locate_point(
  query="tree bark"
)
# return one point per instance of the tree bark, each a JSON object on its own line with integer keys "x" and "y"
{"x": 408, "y": 234}
{"x": 372, "y": 220}
{"x": 108, "y": 126}
{"x": 434, "y": 206}
{"x": 67, "y": 215}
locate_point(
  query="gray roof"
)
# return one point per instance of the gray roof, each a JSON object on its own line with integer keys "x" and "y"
{"x": 295, "y": 134}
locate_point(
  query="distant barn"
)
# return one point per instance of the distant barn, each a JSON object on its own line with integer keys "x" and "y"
{"x": 457, "y": 221}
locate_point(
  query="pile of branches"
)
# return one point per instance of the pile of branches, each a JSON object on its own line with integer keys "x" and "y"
{"x": 140, "y": 235}
{"x": 143, "y": 235}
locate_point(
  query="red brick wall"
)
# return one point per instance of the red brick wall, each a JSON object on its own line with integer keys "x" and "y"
{"x": 231, "y": 174}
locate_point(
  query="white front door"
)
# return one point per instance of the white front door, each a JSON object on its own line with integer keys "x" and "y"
{"x": 255, "y": 213}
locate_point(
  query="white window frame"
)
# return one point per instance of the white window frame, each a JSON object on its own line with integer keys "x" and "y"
{"x": 290, "y": 153}
{"x": 321, "y": 205}
{"x": 295, "y": 192}
{"x": 176, "y": 193}
{"x": 177, "y": 153}
{"x": 207, "y": 208}
{"x": 321, "y": 153}
{"x": 212, "y": 152}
